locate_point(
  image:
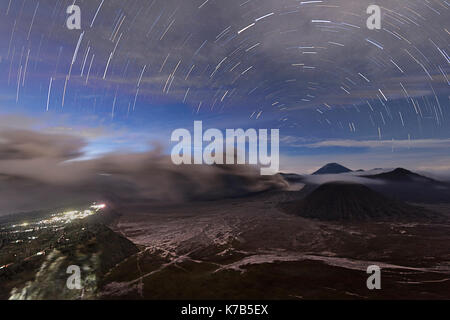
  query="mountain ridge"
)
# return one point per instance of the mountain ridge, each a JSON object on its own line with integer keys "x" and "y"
{"x": 343, "y": 201}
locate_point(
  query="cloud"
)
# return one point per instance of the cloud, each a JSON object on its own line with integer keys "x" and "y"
{"x": 16, "y": 121}
{"x": 315, "y": 143}
{"x": 23, "y": 144}
{"x": 419, "y": 143}
{"x": 177, "y": 38}
{"x": 321, "y": 179}
{"x": 40, "y": 170}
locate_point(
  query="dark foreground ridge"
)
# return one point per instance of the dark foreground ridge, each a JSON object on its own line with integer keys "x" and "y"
{"x": 352, "y": 202}
{"x": 37, "y": 269}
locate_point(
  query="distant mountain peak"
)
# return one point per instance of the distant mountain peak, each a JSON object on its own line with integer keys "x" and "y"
{"x": 332, "y": 168}
{"x": 402, "y": 171}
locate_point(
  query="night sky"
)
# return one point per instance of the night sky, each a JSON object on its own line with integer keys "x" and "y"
{"x": 139, "y": 69}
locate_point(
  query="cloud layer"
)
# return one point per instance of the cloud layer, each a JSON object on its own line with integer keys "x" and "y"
{"x": 39, "y": 170}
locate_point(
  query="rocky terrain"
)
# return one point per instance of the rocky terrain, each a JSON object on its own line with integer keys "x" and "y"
{"x": 314, "y": 241}
{"x": 250, "y": 249}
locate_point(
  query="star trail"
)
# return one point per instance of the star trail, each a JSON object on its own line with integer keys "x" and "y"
{"x": 310, "y": 68}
